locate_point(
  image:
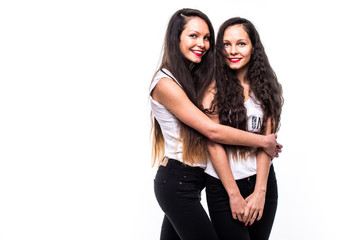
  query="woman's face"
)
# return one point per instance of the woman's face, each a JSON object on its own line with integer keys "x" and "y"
{"x": 238, "y": 47}
{"x": 194, "y": 40}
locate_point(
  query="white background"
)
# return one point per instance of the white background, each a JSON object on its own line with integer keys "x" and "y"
{"x": 74, "y": 115}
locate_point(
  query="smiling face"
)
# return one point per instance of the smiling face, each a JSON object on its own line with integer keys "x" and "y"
{"x": 194, "y": 40}
{"x": 238, "y": 47}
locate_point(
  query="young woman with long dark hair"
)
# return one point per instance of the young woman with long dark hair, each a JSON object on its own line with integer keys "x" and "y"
{"x": 247, "y": 96}
{"x": 181, "y": 129}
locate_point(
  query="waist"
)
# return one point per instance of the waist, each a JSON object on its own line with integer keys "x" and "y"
{"x": 211, "y": 172}
{"x": 179, "y": 158}
{"x": 170, "y": 163}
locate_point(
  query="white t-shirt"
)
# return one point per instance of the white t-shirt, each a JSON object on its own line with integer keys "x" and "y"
{"x": 169, "y": 124}
{"x": 243, "y": 168}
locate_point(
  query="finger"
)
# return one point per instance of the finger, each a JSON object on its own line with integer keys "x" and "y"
{"x": 234, "y": 216}
{"x": 260, "y": 214}
{"x": 250, "y": 216}
{"x": 246, "y": 215}
{"x": 240, "y": 216}
{"x": 252, "y": 220}
{"x": 248, "y": 221}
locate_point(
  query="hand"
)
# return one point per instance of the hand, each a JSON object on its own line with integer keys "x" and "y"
{"x": 237, "y": 205}
{"x": 254, "y": 207}
{"x": 278, "y": 149}
{"x": 271, "y": 145}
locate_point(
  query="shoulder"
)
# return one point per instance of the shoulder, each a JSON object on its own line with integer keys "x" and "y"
{"x": 166, "y": 90}
{"x": 161, "y": 74}
{"x": 166, "y": 83}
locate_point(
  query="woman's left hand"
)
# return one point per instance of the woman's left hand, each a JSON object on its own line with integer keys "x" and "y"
{"x": 254, "y": 207}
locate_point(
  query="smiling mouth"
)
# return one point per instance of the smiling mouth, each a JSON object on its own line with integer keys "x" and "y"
{"x": 234, "y": 60}
{"x": 197, "y": 53}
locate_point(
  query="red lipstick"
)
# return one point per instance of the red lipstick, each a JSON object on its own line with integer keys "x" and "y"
{"x": 199, "y": 54}
{"x": 234, "y": 60}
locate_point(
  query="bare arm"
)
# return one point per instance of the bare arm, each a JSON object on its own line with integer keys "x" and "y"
{"x": 169, "y": 94}
{"x": 256, "y": 200}
{"x": 221, "y": 164}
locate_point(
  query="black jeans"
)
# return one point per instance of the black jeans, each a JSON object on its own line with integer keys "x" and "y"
{"x": 178, "y": 192}
{"x": 220, "y": 213}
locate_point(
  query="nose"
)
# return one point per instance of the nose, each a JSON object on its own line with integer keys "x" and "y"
{"x": 200, "y": 42}
{"x": 233, "y": 50}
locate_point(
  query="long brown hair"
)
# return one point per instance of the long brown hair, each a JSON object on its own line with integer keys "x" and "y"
{"x": 194, "y": 81}
{"x": 229, "y": 99}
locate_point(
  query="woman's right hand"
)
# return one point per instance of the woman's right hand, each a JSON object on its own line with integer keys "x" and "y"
{"x": 272, "y": 147}
{"x": 237, "y": 206}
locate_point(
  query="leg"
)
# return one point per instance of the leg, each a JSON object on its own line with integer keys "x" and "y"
{"x": 168, "y": 231}
{"x": 261, "y": 230}
{"x": 218, "y": 202}
{"x": 191, "y": 221}
{"x": 177, "y": 189}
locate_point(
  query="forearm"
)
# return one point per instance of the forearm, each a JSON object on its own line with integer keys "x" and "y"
{"x": 262, "y": 172}
{"x": 169, "y": 94}
{"x": 228, "y": 135}
{"x": 263, "y": 162}
{"x": 222, "y": 167}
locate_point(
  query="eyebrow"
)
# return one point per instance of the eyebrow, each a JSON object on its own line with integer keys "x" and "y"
{"x": 198, "y": 32}
{"x": 241, "y": 39}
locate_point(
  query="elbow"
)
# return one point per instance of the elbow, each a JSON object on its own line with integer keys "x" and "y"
{"x": 213, "y": 134}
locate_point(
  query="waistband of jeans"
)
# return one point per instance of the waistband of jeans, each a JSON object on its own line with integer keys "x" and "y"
{"x": 173, "y": 163}
{"x": 253, "y": 177}
{"x": 246, "y": 179}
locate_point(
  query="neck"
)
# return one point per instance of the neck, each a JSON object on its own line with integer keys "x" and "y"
{"x": 240, "y": 74}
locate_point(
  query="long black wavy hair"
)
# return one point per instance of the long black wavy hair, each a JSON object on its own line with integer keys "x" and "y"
{"x": 194, "y": 79}
{"x": 229, "y": 98}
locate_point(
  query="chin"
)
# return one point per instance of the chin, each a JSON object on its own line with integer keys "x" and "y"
{"x": 196, "y": 60}
{"x": 235, "y": 67}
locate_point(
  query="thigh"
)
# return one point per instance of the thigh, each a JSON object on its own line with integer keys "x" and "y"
{"x": 261, "y": 230}
{"x": 191, "y": 222}
{"x": 168, "y": 231}
{"x": 226, "y": 227}
{"x": 178, "y": 193}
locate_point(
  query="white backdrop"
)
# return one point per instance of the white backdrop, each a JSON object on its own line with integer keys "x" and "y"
{"x": 74, "y": 115}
